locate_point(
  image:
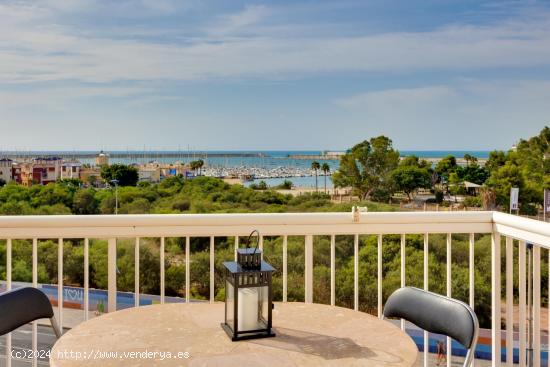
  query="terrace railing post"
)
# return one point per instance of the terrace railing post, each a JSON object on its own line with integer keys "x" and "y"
{"x": 308, "y": 276}
{"x": 111, "y": 275}
{"x": 495, "y": 300}
{"x": 529, "y": 305}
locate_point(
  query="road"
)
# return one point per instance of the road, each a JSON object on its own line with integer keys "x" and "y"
{"x": 21, "y": 339}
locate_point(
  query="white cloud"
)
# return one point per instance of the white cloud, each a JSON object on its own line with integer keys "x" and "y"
{"x": 466, "y": 111}
{"x": 36, "y": 47}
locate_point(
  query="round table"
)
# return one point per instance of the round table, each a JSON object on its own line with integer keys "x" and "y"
{"x": 307, "y": 335}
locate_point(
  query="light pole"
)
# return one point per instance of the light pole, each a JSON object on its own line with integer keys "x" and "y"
{"x": 115, "y": 182}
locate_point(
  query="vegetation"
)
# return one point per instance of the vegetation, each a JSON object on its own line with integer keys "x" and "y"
{"x": 373, "y": 170}
{"x": 123, "y": 174}
{"x": 527, "y": 167}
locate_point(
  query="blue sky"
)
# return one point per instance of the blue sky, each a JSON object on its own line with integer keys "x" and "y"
{"x": 306, "y": 75}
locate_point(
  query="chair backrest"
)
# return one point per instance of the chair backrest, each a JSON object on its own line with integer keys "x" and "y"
{"x": 436, "y": 314}
{"x": 21, "y": 306}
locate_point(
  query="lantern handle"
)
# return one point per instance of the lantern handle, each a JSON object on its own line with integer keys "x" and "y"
{"x": 257, "y": 241}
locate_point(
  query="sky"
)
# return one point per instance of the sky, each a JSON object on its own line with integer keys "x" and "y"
{"x": 272, "y": 75}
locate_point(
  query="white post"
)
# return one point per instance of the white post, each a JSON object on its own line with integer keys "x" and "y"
{"x": 522, "y": 301}
{"x": 212, "y": 266}
{"x": 86, "y": 278}
{"x": 403, "y": 253}
{"x": 495, "y": 300}
{"x": 449, "y": 292}
{"x": 356, "y": 272}
{"x": 308, "y": 276}
{"x": 187, "y": 270}
{"x": 509, "y": 302}
{"x": 136, "y": 274}
{"x": 285, "y": 266}
{"x": 380, "y": 275}
{"x": 60, "y": 282}
{"x": 35, "y": 285}
{"x": 236, "y": 246}
{"x": 471, "y": 277}
{"x": 426, "y": 288}
{"x": 111, "y": 275}
{"x": 162, "y": 273}
{"x": 8, "y": 287}
{"x": 332, "y": 270}
{"x": 536, "y": 306}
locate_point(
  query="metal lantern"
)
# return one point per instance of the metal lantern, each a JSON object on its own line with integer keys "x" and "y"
{"x": 248, "y": 295}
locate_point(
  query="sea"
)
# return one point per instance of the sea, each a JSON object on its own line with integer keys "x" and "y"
{"x": 269, "y": 159}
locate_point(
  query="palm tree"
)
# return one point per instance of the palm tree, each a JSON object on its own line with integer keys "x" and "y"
{"x": 194, "y": 166}
{"x": 200, "y": 163}
{"x": 315, "y": 166}
{"x": 326, "y": 169}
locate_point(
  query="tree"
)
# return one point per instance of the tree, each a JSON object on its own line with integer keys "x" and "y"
{"x": 472, "y": 173}
{"x": 200, "y": 164}
{"x": 85, "y": 202}
{"x": 408, "y": 179}
{"x": 196, "y": 166}
{"x": 367, "y": 168}
{"x": 315, "y": 166}
{"x": 470, "y": 159}
{"x": 326, "y": 169}
{"x": 497, "y": 158}
{"x": 126, "y": 175}
{"x": 445, "y": 167}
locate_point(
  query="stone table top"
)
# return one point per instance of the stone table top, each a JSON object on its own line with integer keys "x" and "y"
{"x": 307, "y": 335}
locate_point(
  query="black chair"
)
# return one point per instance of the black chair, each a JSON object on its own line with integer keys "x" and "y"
{"x": 436, "y": 314}
{"x": 23, "y": 305}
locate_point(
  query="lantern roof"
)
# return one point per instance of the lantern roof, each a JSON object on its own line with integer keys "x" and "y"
{"x": 236, "y": 268}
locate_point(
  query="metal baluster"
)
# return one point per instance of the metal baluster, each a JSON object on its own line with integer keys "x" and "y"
{"x": 308, "y": 276}
{"x": 212, "y": 265}
{"x": 356, "y": 272}
{"x": 111, "y": 275}
{"x": 449, "y": 293}
{"x": 35, "y": 285}
{"x": 60, "y": 282}
{"x": 187, "y": 270}
{"x": 471, "y": 277}
{"x": 426, "y": 287}
{"x": 86, "y": 278}
{"x": 536, "y": 306}
{"x": 136, "y": 273}
{"x": 8, "y": 287}
{"x": 495, "y": 300}
{"x": 332, "y": 270}
{"x": 509, "y": 302}
{"x": 285, "y": 267}
{"x": 162, "y": 273}
{"x": 403, "y": 253}
{"x": 379, "y": 278}
{"x": 522, "y": 301}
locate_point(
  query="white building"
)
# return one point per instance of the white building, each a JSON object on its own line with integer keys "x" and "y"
{"x": 70, "y": 170}
{"x": 6, "y": 165}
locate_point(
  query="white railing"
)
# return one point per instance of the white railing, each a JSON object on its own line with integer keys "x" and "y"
{"x": 526, "y": 231}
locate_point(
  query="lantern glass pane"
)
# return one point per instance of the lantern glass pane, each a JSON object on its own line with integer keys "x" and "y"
{"x": 264, "y": 298}
{"x": 230, "y": 304}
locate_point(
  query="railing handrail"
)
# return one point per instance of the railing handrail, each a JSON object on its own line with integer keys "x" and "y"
{"x": 521, "y": 228}
{"x": 240, "y": 224}
{"x": 152, "y": 220}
